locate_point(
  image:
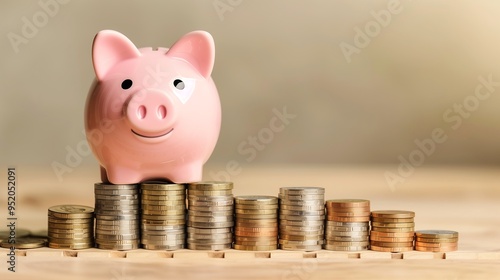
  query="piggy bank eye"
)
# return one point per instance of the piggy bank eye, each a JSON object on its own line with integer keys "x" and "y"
{"x": 126, "y": 84}
{"x": 179, "y": 84}
{"x": 183, "y": 88}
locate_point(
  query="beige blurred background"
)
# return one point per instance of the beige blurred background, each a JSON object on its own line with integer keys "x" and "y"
{"x": 367, "y": 108}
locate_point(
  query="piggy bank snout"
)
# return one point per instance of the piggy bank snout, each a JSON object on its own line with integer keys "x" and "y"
{"x": 150, "y": 113}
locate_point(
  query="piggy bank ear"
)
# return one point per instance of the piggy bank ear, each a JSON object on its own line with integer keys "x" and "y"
{"x": 198, "y": 49}
{"x": 109, "y": 48}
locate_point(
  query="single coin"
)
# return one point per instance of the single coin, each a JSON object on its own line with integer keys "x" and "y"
{"x": 393, "y": 225}
{"x": 348, "y": 203}
{"x": 301, "y": 190}
{"x": 25, "y": 243}
{"x": 304, "y": 223}
{"x": 210, "y": 193}
{"x": 315, "y": 207}
{"x": 392, "y": 234}
{"x": 210, "y": 213}
{"x": 436, "y": 240}
{"x": 71, "y": 211}
{"x": 117, "y": 203}
{"x": 71, "y": 246}
{"x": 301, "y": 242}
{"x": 435, "y": 245}
{"x": 348, "y": 238}
{"x": 198, "y": 203}
{"x": 163, "y": 247}
{"x": 302, "y": 213}
{"x": 347, "y": 243}
{"x": 208, "y": 230}
{"x": 328, "y": 228}
{"x": 391, "y": 249}
{"x": 255, "y": 212}
{"x": 393, "y": 214}
{"x": 392, "y": 220}
{"x": 436, "y": 233}
{"x": 70, "y": 226}
{"x": 256, "y": 200}
{"x": 344, "y": 248}
{"x": 162, "y": 186}
{"x": 164, "y": 212}
{"x": 209, "y": 247}
{"x": 348, "y": 214}
{"x": 391, "y": 244}
{"x": 347, "y": 224}
{"x": 118, "y": 247}
{"x": 300, "y": 247}
{"x": 302, "y": 218}
{"x": 71, "y": 240}
{"x": 391, "y": 239}
{"x": 210, "y": 185}
{"x": 210, "y": 224}
{"x": 387, "y": 229}
{"x": 211, "y": 208}
{"x": 348, "y": 219}
{"x": 133, "y": 197}
{"x": 285, "y": 198}
{"x": 210, "y": 219}
{"x": 71, "y": 235}
{"x": 255, "y": 248}
{"x": 116, "y": 192}
{"x": 103, "y": 186}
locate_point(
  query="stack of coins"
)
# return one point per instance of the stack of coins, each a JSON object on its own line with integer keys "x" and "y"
{"x": 71, "y": 227}
{"x": 210, "y": 215}
{"x": 256, "y": 227}
{"x": 163, "y": 216}
{"x": 347, "y": 224}
{"x": 392, "y": 231}
{"x": 117, "y": 216}
{"x": 436, "y": 240}
{"x": 301, "y": 218}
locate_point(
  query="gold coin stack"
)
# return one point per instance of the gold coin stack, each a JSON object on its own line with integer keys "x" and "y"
{"x": 71, "y": 227}
{"x": 163, "y": 216}
{"x": 347, "y": 225}
{"x": 392, "y": 230}
{"x": 210, "y": 215}
{"x": 301, "y": 218}
{"x": 117, "y": 216}
{"x": 256, "y": 227}
{"x": 436, "y": 240}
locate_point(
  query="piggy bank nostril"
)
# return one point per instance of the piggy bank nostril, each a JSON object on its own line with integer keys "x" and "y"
{"x": 141, "y": 112}
{"x": 162, "y": 112}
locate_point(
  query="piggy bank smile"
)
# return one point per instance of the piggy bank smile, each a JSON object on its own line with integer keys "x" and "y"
{"x": 152, "y": 136}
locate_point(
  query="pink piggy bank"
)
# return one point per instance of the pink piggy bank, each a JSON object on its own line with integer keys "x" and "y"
{"x": 152, "y": 113}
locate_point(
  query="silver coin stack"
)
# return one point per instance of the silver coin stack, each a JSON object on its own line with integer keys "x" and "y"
{"x": 210, "y": 215}
{"x": 301, "y": 215}
{"x": 163, "y": 216}
{"x": 117, "y": 216}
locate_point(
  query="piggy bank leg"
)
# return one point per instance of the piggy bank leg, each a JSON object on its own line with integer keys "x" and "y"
{"x": 186, "y": 173}
{"x": 120, "y": 175}
{"x": 104, "y": 175}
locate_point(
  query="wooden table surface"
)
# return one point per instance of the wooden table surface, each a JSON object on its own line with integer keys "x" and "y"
{"x": 465, "y": 199}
